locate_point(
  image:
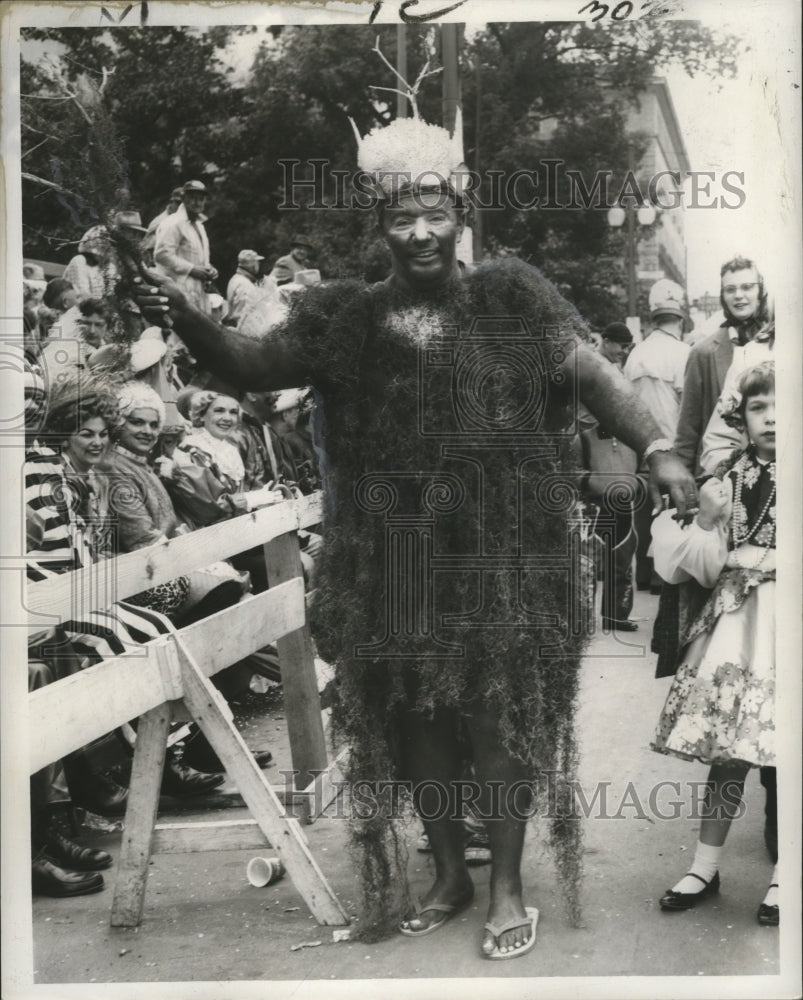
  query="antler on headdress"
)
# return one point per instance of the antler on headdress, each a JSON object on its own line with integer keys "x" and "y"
{"x": 409, "y": 148}
{"x": 410, "y": 92}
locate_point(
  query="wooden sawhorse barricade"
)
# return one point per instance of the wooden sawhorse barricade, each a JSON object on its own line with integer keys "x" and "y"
{"x": 171, "y": 674}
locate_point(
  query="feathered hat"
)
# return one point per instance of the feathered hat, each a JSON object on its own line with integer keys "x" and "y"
{"x": 409, "y": 152}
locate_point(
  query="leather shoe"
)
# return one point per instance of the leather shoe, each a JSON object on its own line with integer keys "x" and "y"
{"x": 48, "y": 879}
{"x": 199, "y": 754}
{"x": 68, "y": 854}
{"x": 181, "y": 780}
{"x": 672, "y": 900}
{"x": 100, "y": 795}
{"x": 619, "y": 624}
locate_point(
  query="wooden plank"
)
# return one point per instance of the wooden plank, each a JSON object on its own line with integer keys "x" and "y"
{"x": 288, "y": 842}
{"x": 216, "y": 835}
{"x": 66, "y": 713}
{"x": 140, "y": 817}
{"x": 69, "y": 595}
{"x": 302, "y": 706}
{"x": 326, "y": 787}
{"x": 230, "y": 635}
{"x": 309, "y": 510}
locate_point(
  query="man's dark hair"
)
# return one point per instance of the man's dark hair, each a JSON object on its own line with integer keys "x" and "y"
{"x": 619, "y": 333}
{"x": 95, "y": 307}
{"x": 56, "y": 287}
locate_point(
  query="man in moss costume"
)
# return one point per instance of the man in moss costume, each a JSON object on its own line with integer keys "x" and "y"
{"x": 440, "y": 596}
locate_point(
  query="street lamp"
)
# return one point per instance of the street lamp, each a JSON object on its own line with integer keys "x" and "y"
{"x": 629, "y": 216}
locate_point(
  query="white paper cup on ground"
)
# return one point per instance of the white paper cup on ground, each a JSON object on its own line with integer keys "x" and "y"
{"x": 264, "y": 871}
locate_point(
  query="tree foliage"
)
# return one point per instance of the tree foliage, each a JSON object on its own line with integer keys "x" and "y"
{"x": 531, "y": 92}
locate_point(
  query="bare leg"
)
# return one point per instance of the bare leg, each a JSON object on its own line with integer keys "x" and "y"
{"x": 432, "y": 763}
{"x": 492, "y": 763}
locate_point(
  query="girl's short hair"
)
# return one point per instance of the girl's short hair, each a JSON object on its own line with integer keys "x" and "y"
{"x": 756, "y": 381}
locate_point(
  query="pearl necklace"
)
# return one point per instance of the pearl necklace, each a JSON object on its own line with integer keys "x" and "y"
{"x": 742, "y": 532}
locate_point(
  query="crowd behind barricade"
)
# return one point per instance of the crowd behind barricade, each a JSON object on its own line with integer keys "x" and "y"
{"x": 129, "y": 443}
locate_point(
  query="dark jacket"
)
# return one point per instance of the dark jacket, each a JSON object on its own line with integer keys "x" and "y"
{"x": 706, "y": 368}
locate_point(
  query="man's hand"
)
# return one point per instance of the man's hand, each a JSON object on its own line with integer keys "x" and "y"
{"x": 203, "y": 272}
{"x": 157, "y": 295}
{"x": 669, "y": 475}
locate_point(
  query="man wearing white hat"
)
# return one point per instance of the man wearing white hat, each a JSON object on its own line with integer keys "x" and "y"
{"x": 657, "y": 365}
{"x": 657, "y": 369}
{"x": 182, "y": 247}
{"x": 244, "y": 285}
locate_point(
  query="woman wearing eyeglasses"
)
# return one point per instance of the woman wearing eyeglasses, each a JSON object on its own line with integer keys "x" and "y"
{"x": 743, "y": 296}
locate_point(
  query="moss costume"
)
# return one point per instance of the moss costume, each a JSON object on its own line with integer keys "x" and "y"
{"x": 447, "y": 537}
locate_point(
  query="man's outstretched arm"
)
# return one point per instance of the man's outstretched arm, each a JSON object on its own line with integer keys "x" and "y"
{"x": 245, "y": 362}
{"x": 617, "y": 406}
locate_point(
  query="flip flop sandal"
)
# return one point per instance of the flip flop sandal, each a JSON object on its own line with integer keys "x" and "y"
{"x": 447, "y": 909}
{"x": 531, "y": 919}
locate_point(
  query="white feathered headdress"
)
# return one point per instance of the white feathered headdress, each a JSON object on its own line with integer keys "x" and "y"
{"x": 410, "y": 152}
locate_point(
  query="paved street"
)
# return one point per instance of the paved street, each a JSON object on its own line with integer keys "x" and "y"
{"x": 204, "y": 922}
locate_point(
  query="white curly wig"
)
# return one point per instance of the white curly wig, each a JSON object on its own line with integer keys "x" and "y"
{"x": 139, "y": 396}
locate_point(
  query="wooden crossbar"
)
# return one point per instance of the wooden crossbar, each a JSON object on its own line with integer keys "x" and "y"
{"x": 151, "y": 681}
{"x": 208, "y": 707}
{"x": 55, "y": 600}
{"x": 67, "y": 713}
{"x": 217, "y": 835}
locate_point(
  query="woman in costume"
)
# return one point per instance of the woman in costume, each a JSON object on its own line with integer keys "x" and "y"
{"x": 721, "y": 706}
{"x": 69, "y": 527}
{"x": 475, "y": 464}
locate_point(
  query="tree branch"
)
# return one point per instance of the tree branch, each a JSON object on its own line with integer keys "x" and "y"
{"x": 33, "y": 148}
{"x": 48, "y": 184}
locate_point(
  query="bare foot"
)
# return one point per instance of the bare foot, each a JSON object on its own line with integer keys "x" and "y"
{"x": 455, "y": 893}
{"x": 501, "y": 911}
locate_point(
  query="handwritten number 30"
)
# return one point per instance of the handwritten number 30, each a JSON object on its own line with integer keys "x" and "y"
{"x": 620, "y": 12}
{"x": 416, "y": 18}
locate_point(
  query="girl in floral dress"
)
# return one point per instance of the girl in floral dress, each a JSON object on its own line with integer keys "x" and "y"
{"x": 721, "y": 706}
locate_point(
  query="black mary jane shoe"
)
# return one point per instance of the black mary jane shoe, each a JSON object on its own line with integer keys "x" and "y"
{"x": 672, "y": 900}
{"x": 769, "y": 916}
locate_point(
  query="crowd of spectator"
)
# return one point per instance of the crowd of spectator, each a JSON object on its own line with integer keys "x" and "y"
{"x": 128, "y": 444}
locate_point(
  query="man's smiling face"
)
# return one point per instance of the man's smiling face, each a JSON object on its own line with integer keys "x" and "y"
{"x": 421, "y": 230}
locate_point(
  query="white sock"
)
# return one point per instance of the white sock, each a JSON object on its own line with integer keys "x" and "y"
{"x": 771, "y": 899}
{"x": 705, "y": 864}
